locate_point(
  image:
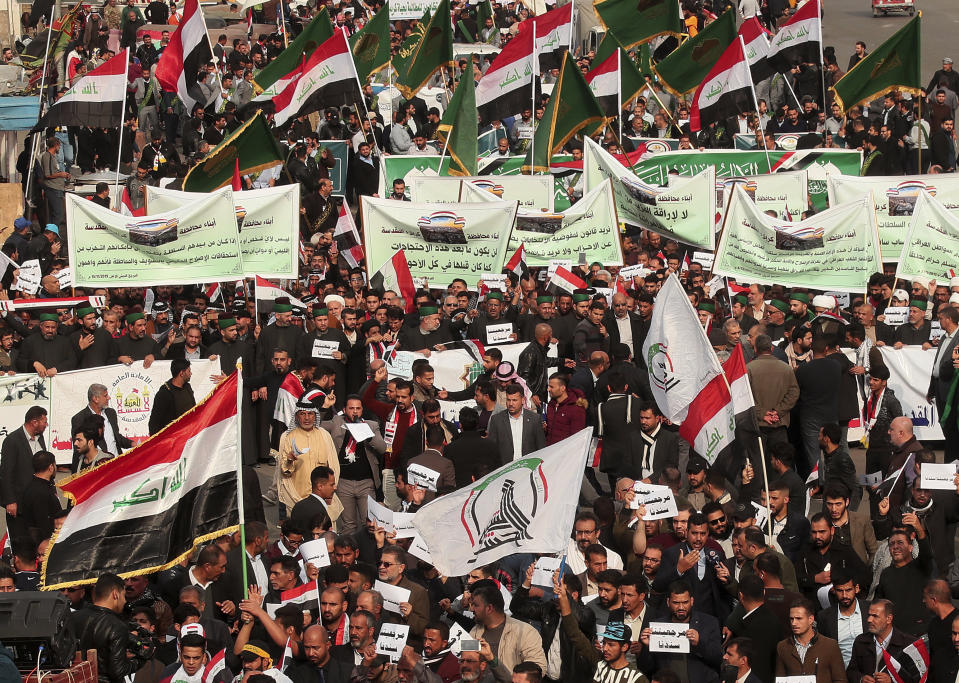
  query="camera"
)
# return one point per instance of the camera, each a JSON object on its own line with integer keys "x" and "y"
{"x": 140, "y": 644}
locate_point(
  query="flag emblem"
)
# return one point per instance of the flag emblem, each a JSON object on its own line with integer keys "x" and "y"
{"x": 661, "y": 367}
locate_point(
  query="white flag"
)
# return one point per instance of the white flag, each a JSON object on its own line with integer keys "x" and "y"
{"x": 526, "y": 506}
{"x": 680, "y": 360}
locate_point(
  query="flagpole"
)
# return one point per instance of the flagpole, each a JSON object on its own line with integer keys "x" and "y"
{"x": 762, "y": 459}
{"x": 43, "y": 75}
{"x": 240, "y": 508}
{"x": 286, "y": 39}
{"x": 532, "y": 141}
{"x": 619, "y": 96}
{"x": 123, "y": 111}
{"x": 752, "y": 89}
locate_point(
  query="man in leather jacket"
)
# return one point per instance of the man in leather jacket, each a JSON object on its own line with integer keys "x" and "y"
{"x": 534, "y": 365}
{"x": 99, "y": 626}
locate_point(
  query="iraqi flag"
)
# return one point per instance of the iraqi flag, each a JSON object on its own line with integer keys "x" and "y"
{"x": 347, "y": 237}
{"x": 726, "y": 91}
{"x": 182, "y": 58}
{"x": 304, "y": 596}
{"x": 395, "y": 275}
{"x": 756, "y": 45}
{"x": 328, "y": 79}
{"x": 604, "y": 82}
{"x": 739, "y": 388}
{"x": 554, "y": 33}
{"x": 96, "y": 100}
{"x": 214, "y": 667}
{"x": 266, "y": 291}
{"x": 563, "y": 279}
{"x": 126, "y": 205}
{"x": 291, "y": 389}
{"x": 799, "y": 39}
{"x": 517, "y": 262}
{"x": 506, "y": 88}
{"x": 147, "y": 509}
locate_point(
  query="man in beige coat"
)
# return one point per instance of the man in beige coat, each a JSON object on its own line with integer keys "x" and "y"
{"x": 518, "y": 641}
{"x": 775, "y": 391}
{"x": 303, "y": 447}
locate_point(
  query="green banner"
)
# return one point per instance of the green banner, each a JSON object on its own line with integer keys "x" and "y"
{"x": 196, "y": 243}
{"x": 636, "y": 23}
{"x": 533, "y": 193}
{"x": 835, "y": 250}
{"x": 341, "y": 152}
{"x": 688, "y": 65}
{"x": 932, "y": 243}
{"x": 588, "y": 227}
{"x": 269, "y": 223}
{"x": 462, "y": 241}
{"x": 894, "y": 198}
{"x": 685, "y": 211}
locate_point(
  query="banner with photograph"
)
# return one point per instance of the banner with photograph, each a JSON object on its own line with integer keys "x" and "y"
{"x": 837, "y": 249}
{"x": 441, "y": 243}
{"x": 534, "y": 192}
{"x": 262, "y": 217}
{"x": 785, "y": 193}
{"x": 588, "y": 227}
{"x": 197, "y": 242}
{"x": 894, "y": 198}
{"x": 684, "y": 211}
{"x": 931, "y": 247}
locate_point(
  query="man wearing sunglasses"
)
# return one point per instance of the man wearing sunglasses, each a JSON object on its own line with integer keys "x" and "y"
{"x": 391, "y": 569}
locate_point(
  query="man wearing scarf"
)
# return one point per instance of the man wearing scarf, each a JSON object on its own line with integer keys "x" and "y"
{"x": 303, "y": 447}
{"x": 193, "y": 660}
{"x": 397, "y": 418}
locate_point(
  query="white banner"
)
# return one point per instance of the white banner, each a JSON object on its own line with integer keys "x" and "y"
{"x": 411, "y": 9}
{"x": 533, "y": 192}
{"x": 785, "y": 193}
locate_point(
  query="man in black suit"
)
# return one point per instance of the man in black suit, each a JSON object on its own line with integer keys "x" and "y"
{"x": 696, "y": 565}
{"x": 363, "y": 177}
{"x": 257, "y": 573}
{"x": 502, "y": 425}
{"x": 852, "y": 608}
{"x": 469, "y": 452}
{"x": 942, "y": 374}
{"x": 618, "y": 426}
{"x": 864, "y": 660}
{"x": 16, "y": 459}
{"x": 739, "y": 655}
{"x": 637, "y": 381}
{"x": 111, "y": 440}
{"x": 660, "y": 446}
{"x": 323, "y": 482}
{"x": 624, "y": 326}
{"x": 320, "y": 666}
{"x": 757, "y": 623}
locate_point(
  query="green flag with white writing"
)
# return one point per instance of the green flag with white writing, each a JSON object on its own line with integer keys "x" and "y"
{"x": 638, "y": 22}
{"x": 371, "y": 45}
{"x": 458, "y": 129}
{"x": 425, "y": 52}
{"x": 252, "y": 143}
{"x": 686, "y": 66}
{"x": 316, "y": 33}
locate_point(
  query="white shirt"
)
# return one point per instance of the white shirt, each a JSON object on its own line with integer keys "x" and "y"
{"x": 625, "y": 330}
{"x": 196, "y": 582}
{"x": 108, "y": 436}
{"x": 516, "y": 429}
{"x": 33, "y": 441}
{"x": 577, "y": 562}
{"x": 744, "y": 676}
{"x": 943, "y": 343}
{"x": 847, "y": 628}
{"x": 259, "y": 573}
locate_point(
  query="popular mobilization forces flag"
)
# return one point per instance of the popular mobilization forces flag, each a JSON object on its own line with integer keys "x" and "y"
{"x": 251, "y": 148}
{"x": 554, "y": 32}
{"x": 571, "y": 108}
{"x": 187, "y": 52}
{"x": 96, "y": 100}
{"x": 637, "y": 23}
{"x": 726, "y": 91}
{"x": 507, "y": 86}
{"x": 799, "y": 39}
{"x": 315, "y": 34}
{"x": 686, "y": 67}
{"x": 371, "y": 44}
{"x": 328, "y": 79}
{"x": 678, "y": 355}
{"x": 523, "y": 507}
{"x": 458, "y": 128}
{"x": 425, "y": 52}
{"x": 147, "y": 509}
{"x": 894, "y": 64}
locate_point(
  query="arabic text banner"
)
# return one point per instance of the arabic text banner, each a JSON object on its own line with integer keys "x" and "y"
{"x": 835, "y": 250}
{"x": 531, "y": 191}
{"x": 785, "y": 193}
{"x": 931, "y": 247}
{"x": 268, "y": 220}
{"x": 196, "y": 243}
{"x": 684, "y": 211}
{"x": 441, "y": 244}
{"x": 411, "y": 9}
{"x": 588, "y": 227}
{"x": 894, "y": 198}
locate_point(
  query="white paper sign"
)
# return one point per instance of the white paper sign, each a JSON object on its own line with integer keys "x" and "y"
{"x": 896, "y": 315}
{"x": 842, "y": 298}
{"x": 499, "y": 334}
{"x": 419, "y": 549}
{"x": 629, "y": 272}
{"x": 668, "y": 637}
{"x": 29, "y": 279}
{"x": 383, "y": 516}
{"x": 495, "y": 281}
{"x": 359, "y": 431}
{"x": 936, "y": 332}
{"x": 324, "y": 349}
{"x": 823, "y": 595}
{"x": 392, "y": 595}
{"x": 556, "y": 262}
{"x": 761, "y": 513}
{"x": 939, "y": 477}
{"x": 64, "y": 277}
{"x": 704, "y": 258}
{"x": 403, "y": 524}
{"x": 808, "y": 678}
{"x": 543, "y": 571}
{"x": 659, "y": 501}
{"x": 872, "y": 479}
{"x": 316, "y": 553}
{"x": 421, "y": 476}
{"x": 392, "y": 639}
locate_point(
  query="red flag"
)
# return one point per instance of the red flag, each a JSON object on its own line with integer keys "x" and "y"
{"x": 237, "y": 182}
{"x": 517, "y": 262}
{"x": 395, "y": 275}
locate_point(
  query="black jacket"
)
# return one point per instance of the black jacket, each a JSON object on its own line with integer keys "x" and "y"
{"x": 533, "y": 366}
{"x": 573, "y": 666}
{"x": 123, "y": 443}
{"x": 170, "y": 403}
{"x": 827, "y": 621}
{"x": 16, "y": 465}
{"x": 863, "y": 659}
{"x": 765, "y": 630}
{"x": 466, "y": 450}
{"x": 97, "y": 628}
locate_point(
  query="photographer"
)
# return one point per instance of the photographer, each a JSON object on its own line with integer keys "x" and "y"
{"x": 100, "y": 627}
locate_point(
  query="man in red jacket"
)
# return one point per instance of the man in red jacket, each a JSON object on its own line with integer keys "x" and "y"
{"x": 566, "y": 410}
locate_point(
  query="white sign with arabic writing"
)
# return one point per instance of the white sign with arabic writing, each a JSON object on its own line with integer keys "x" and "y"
{"x": 668, "y": 637}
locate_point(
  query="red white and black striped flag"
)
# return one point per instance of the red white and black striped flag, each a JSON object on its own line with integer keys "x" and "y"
{"x": 506, "y": 88}
{"x": 726, "y": 91}
{"x": 799, "y": 39}
{"x": 328, "y": 79}
{"x": 347, "y": 237}
{"x": 187, "y": 51}
{"x": 395, "y": 274}
{"x": 604, "y": 82}
{"x": 96, "y": 100}
{"x": 147, "y": 509}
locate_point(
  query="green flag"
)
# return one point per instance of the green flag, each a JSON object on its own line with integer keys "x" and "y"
{"x": 686, "y": 66}
{"x": 253, "y": 143}
{"x": 371, "y": 45}
{"x": 637, "y": 22}
{"x": 571, "y": 108}
{"x": 894, "y": 65}
{"x": 458, "y": 129}
{"x": 484, "y": 11}
{"x": 425, "y": 52}
{"x": 317, "y": 31}
{"x": 631, "y": 82}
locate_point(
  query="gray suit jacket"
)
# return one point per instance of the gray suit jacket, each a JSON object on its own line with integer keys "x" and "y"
{"x": 500, "y": 433}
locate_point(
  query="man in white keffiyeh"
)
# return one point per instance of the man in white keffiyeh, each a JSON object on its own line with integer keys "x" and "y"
{"x": 304, "y": 446}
